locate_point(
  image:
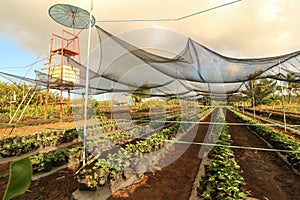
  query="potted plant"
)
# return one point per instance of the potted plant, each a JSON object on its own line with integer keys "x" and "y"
{"x": 86, "y": 180}
{"x": 41, "y": 163}
{"x": 60, "y": 157}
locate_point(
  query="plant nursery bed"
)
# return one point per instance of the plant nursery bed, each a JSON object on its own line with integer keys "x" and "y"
{"x": 61, "y": 184}
{"x": 174, "y": 181}
{"x": 267, "y": 176}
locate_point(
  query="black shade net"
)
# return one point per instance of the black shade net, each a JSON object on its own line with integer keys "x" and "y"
{"x": 118, "y": 66}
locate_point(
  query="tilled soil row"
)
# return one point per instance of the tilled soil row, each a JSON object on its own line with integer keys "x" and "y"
{"x": 266, "y": 174}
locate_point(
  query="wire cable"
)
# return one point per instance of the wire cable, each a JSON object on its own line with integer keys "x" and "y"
{"x": 169, "y": 19}
{"x": 232, "y": 146}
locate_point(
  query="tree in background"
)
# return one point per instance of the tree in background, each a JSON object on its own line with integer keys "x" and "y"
{"x": 262, "y": 90}
{"x": 13, "y": 94}
{"x": 291, "y": 87}
{"x": 139, "y": 93}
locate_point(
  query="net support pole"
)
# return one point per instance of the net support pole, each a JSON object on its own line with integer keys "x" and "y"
{"x": 243, "y": 106}
{"x": 111, "y": 99}
{"x": 85, "y": 149}
{"x": 282, "y": 100}
{"x": 253, "y": 98}
{"x": 10, "y": 108}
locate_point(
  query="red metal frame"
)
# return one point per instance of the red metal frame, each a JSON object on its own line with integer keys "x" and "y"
{"x": 65, "y": 45}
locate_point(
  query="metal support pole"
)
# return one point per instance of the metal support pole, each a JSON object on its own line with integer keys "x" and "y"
{"x": 253, "y": 98}
{"x": 10, "y": 109}
{"x": 69, "y": 103}
{"x": 243, "y": 106}
{"x": 283, "y": 107}
{"x": 61, "y": 78}
{"x": 85, "y": 150}
{"x": 282, "y": 100}
{"x": 111, "y": 99}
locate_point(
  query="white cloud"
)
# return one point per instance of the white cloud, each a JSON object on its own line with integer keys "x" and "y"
{"x": 235, "y": 30}
{"x": 270, "y": 10}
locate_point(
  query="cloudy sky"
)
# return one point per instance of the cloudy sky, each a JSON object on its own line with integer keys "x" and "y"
{"x": 248, "y": 28}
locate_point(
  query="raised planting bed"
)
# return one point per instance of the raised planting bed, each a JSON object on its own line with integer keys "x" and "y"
{"x": 61, "y": 184}
{"x": 221, "y": 178}
{"x": 131, "y": 132}
{"x": 115, "y": 163}
{"x": 114, "y": 171}
{"x": 291, "y": 118}
{"x": 268, "y": 174}
{"x": 276, "y": 139}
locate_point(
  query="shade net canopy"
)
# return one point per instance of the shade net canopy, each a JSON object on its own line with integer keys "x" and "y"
{"x": 196, "y": 71}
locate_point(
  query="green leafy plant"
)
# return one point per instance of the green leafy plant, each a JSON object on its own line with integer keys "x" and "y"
{"x": 222, "y": 179}
{"x": 19, "y": 178}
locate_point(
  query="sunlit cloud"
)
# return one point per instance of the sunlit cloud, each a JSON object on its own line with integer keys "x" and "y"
{"x": 253, "y": 28}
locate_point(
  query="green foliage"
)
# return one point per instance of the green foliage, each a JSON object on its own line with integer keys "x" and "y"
{"x": 261, "y": 90}
{"x": 139, "y": 92}
{"x": 56, "y": 158}
{"x": 76, "y": 151}
{"x": 222, "y": 178}
{"x": 291, "y": 87}
{"x": 19, "y": 178}
{"x": 145, "y": 106}
{"x": 11, "y": 146}
{"x": 14, "y": 93}
{"x": 106, "y": 103}
{"x": 173, "y": 102}
{"x": 134, "y": 142}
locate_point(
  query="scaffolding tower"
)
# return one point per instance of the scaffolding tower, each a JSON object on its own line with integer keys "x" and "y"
{"x": 61, "y": 75}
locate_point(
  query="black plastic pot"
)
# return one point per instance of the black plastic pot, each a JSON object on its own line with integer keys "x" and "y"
{"x": 59, "y": 163}
{"x": 46, "y": 168}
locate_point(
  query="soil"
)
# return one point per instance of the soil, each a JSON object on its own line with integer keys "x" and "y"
{"x": 266, "y": 175}
{"x": 57, "y": 186}
{"x": 25, "y": 130}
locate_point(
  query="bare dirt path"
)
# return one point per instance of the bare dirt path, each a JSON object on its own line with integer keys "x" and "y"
{"x": 25, "y": 130}
{"x": 172, "y": 182}
{"x": 266, "y": 175}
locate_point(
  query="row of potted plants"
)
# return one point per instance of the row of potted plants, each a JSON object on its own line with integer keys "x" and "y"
{"x": 23, "y": 144}
{"x": 222, "y": 179}
{"x": 120, "y": 137}
{"x": 115, "y": 166}
{"x": 46, "y": 161}
{"x": 134, "y": 131}
{"x": 276, "y": 139}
